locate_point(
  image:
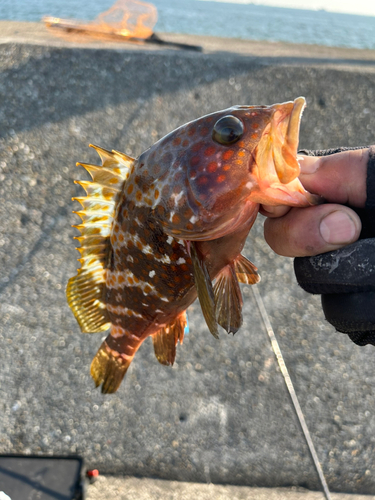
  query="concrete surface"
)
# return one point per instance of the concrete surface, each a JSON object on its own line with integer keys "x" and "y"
{"x": 130, "y": 488}
{"x": 222, "y": 413}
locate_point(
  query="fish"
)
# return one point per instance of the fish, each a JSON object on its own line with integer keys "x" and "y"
{"x": 160, "y": 230}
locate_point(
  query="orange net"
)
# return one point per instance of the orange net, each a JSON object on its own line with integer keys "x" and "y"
{"x": 126, "y": 19}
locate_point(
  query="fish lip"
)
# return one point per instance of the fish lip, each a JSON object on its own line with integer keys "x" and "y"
{"x": 286, "y": 122}
{"x": 274, "y": 167}
{"x": 284, "y": 133}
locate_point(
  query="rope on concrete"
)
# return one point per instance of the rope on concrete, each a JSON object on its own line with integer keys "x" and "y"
{"x": 290, "y": 387}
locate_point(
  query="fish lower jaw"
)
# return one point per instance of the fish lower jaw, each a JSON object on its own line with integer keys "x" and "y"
{"x": 292, "y": 194}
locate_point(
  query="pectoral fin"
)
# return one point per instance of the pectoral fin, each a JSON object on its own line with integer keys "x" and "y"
{"x": 228, "y": 300}
{"x": 205, "y": 290}
{"x": 165, "y": 340}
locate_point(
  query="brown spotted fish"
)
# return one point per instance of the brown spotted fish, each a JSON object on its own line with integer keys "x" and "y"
{"x": 157, "y": 231}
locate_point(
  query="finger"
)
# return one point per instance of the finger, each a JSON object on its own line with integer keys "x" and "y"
{"x": 273, "y": 211}
{"x": 339, "y": 178}
{"x": 312, "y": 230}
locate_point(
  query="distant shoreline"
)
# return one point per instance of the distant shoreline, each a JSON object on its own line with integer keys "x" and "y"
{"x": 24, "y": 32}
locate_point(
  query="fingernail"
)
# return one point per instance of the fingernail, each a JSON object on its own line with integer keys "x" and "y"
{"x": 338, "y": 228}
{"x": 309, "y": 164}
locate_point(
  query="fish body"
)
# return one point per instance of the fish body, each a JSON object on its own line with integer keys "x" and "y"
{"x": 158, "y": 230}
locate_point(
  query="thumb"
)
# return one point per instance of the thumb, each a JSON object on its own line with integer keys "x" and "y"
{"x": 313, "y": 230}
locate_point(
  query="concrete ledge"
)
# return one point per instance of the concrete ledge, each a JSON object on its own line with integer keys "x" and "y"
{"x": 270, "y": 52}
{"x": 130, "y": 488}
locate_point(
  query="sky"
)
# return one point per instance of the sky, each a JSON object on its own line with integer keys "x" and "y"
{"x": 364, "y": 7}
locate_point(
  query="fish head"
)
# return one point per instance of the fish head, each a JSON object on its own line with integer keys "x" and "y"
{"x": 274, "y": 164}
{"x": 218, "y": 168}
{"x": 251, "y": 155}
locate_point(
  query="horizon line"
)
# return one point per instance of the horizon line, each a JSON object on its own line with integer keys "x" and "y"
{"x": 295, "y": 6}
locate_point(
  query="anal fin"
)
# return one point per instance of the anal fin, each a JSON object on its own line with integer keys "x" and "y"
{"x": 165, "y": 340}
{"x": 205, "y": 290}
{"x": 246, "y": 272}
{"x": 108, "y": 368}
{"x": 228, "y": 300}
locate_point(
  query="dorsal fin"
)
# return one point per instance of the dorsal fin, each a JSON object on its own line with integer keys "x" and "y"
{"x": 246, "y": 272}
{"x": 114, "y": 159}
{"x": 165, "y": 340}
{"x": 85, "y": 291}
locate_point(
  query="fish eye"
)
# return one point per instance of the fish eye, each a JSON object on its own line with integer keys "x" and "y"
{"x": 227, "y": 130}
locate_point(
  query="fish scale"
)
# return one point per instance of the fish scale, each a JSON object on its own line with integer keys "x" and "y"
{"x": 160, "y": 230}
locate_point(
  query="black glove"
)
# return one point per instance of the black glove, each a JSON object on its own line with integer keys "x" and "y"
{"x": 346, "y": 277}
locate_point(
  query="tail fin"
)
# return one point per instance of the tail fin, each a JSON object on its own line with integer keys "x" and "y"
{"x": 109, "y": 367}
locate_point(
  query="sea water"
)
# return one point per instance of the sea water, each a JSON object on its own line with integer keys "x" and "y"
{"x": 246, "y": 21}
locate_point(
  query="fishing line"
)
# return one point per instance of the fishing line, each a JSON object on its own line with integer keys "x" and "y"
{"x": 290, "y": 387}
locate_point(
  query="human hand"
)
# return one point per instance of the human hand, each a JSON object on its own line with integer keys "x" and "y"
{"x": 340, "y": 179}
{"x": 345, "y": 273}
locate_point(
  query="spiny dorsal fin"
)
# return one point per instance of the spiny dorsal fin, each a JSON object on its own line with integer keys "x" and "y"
{"x": 246, "y": 272}
{"x": 228, "y": 300}
{"x": 165, "y": 340}
{"x": 85, "y": 291}
{"x": 114, "y": 159}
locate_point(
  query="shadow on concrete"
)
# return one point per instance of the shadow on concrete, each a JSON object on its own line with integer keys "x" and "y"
{"x": 58, "y": 83}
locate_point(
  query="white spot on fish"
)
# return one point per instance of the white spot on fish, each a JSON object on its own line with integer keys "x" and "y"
{"x": 151, "y": 274}
{"x": 147, "y": 250}
{"x": 123, "y": 311}
{"x": 181, "y": 261}
{"x": 177, "y": 197}
{"x": 117, "y": 331}
{"x": 129, "y": 279}
{"x": 193, "y": 219}
{"x": 169, "y": 240}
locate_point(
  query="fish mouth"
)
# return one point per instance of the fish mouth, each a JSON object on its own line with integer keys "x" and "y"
{"x": 276, "y": 168}
{"x": 285, "y": 137}
{"x": 276, "y": 154}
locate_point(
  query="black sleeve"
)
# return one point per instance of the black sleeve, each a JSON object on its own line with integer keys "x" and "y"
{"x": 346, "y": 277}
